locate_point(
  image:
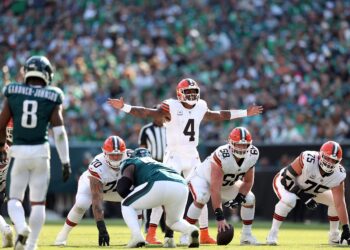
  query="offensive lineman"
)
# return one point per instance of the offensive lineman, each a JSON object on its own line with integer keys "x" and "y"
{"x": 227, "y": 175}
{"x": 155, "y": 185}
{"x": 32, "y": 105}
{"x": 6, "y": 232}
{"x": 313, "y": 177}
{"x": 183, "y": 117}
{"x": 97, "y": 184}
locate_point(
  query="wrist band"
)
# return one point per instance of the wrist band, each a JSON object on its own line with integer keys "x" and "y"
{"x": 237, "y": 113}
{"x": 126, "y": 108}
{"x": 219, "y": 214}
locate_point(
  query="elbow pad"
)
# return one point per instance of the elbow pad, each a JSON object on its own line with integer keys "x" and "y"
{"x": 288, "y": 180}
{"x": 61, "y": 142}
{"x": 123, "y": 186}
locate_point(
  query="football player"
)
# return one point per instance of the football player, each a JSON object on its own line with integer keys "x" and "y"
{"x": 97, "y": 184}
{"x": 183, "y": 117}
{"x": 313, "y": 177}
{"x": 155, "y": 185}
{"x": 227, "y": 175}
{"x": 33, "y": 106}
{"x": 6, "y": 232}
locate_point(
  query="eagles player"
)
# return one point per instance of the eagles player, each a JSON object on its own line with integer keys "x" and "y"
{"x": 97, "y": 184}
{"x": 33, "y": 106}
{"x": 155, "y": 185}
{"x": 313, "y": 177}
{"x": 227, "y": 175}
{"x": 183, "y": 117}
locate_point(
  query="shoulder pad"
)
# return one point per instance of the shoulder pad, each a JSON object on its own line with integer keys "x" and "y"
{"x": 58, "y": 91}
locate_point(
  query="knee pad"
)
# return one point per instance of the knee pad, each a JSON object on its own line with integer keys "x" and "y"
{"x": 249, "y": 199}
{"x": 82, "y": 204}
{"x": 332, "y": 211}
{"x": 290, "y": 201}
{"x": 203, "y": 198}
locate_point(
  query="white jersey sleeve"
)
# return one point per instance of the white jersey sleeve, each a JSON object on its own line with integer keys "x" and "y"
{"x": 183, "y": 128}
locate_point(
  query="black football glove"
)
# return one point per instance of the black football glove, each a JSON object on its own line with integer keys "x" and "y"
{"x": 103, "y": 236}
{"x": 66, "y": 171}
{"x": 308, "y": 200}
{"x": 240, "y": 198}
{"x": 345, "y": 235}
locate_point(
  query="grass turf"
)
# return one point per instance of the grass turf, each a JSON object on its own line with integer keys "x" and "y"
{"x": 292, "y": 236}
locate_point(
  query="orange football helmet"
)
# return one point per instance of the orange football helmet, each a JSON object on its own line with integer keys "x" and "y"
{"x": 330, "y": 156}
{"x": 187, "y": 91}
{"x": 114, "y": 150}
{"x": 240, "y": 139}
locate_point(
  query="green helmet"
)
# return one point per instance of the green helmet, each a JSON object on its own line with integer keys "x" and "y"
{"x": 38, "y": 66}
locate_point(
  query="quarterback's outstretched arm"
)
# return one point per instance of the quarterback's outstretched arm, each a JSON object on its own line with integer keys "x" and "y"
{"x": 223, "y": 115}
{"x": 137, "y": 111}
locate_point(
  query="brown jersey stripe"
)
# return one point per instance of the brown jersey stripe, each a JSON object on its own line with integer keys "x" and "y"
{"x": 95, "y": 174}
{"x": 165, "y": 107}
{"x": 217, "y": 160}
{"x": 301, "y": 160}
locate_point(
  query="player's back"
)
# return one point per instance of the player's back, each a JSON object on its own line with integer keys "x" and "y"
{"x": 31, "y": 109}
{"x": 150, "y": 170}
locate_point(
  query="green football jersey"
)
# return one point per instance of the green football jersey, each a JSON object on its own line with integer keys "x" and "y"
{"x": 31, "y": 109}
{"x": 149, "y": 170}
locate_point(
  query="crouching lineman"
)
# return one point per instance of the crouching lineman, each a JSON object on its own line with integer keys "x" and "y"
{"x": 313, "y": 177}
{"x": 6, "y": 232}
{"x": 97, "y": 184}
{"x": 227, "y": 175}
{"x": 155, "y": 185}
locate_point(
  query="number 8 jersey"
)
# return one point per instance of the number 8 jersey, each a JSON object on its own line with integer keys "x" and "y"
{"x": 224, "y": 158}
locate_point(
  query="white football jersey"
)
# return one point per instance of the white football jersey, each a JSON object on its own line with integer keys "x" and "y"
{"x": 183, "y": 128}
{"x": 100, "y": 170}
{"x": 224, "y": 158}
{"x": 311, "y": 180}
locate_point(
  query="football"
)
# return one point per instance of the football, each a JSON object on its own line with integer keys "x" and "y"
{"x": 224, "y": 238}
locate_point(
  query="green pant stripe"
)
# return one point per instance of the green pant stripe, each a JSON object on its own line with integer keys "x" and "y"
{"x": 142, "y": 192}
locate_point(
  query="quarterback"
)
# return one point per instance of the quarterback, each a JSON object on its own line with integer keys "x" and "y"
{"x": 182, "y": 118}
{"x": 313, "y": 177}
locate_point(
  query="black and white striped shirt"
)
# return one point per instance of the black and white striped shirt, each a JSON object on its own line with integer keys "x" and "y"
{"x": 153, "y": 137}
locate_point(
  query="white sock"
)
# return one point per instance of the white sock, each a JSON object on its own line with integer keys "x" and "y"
{"x": 247, "y": 229}
{"x": 333, "y": 226}
{"x": 3, "y": 224}
{"x": 16, "y": 213}
{"x": 156, "y": 214}
{"x": 281, "y": 212}
{"x": 203, "y": 218}
{"x": 193, "y": 213}
{"x": 36, "y": 222}
{"x": 130, "y": 218}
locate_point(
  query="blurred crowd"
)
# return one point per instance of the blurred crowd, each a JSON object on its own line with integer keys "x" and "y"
{"x": 292, "y": 57}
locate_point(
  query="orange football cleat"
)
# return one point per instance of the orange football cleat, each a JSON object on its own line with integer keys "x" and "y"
{"x": 205, "y": 238}
{"x": 151, "y": 236}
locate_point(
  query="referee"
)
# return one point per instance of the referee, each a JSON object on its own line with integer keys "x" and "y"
{"x": 152, "y": 137}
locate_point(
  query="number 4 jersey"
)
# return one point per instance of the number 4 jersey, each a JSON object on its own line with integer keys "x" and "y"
{"x": 224, "y": 158}
{"x": 311, "y": 180}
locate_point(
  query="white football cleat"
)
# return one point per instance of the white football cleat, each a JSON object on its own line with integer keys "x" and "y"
{"x": 61, "y": 239}
{"x": 169, "y": 243}
{"x": 7, "y": 237}
{"x": 184, "y": 239}
{"x": 136, "y": 241}
{"x": 22, "y": 239}
{"x": 334, "y": 237}
{"x": 194, "y": 241}
{"x": 248, "y": 239}
{"x": 272, "y": 238}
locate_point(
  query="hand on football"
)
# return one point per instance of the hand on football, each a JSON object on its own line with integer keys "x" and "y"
{"x": 116, "y": 103}
{"x": 66, "y": 171}
{"x": 345, "y": 236}
{"x": 254, "y": 110}
{"x": 240, "y": 198}
{"x": 222, "y": 226}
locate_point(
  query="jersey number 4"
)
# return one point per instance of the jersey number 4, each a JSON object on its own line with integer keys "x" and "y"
{"x": 189, "y": 129}
{"x": 29, "y": 118}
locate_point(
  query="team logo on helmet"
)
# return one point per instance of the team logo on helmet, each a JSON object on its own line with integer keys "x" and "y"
{"x": 114, "y": 150}
{"x": 240, "y": 139}
{"x": 187, "y": 91}
{"x": 330, "y": 156}
{"x": 38, "y": 66}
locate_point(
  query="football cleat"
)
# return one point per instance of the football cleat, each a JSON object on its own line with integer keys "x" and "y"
{"x": 22, "y": 239}
{"x": 205, "y": 238}
{"x": 334, "y": 237}
{"x": 194, "y": 242}
{"x": 136, "y": 242}
{"x": 169, "y": 243}
{"x": 272, "y": 238}
{"x": 184, "y": 239}
{"x": 7, "y": 237}
{"x": 61, "y": 239}
{"x": 248, "y": 239}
